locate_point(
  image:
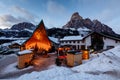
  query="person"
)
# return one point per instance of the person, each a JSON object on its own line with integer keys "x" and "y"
{"x": 58, "y": 62}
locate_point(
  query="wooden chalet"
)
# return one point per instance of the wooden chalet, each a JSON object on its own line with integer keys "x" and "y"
{"x": 38, "y": 43}
{"x": 38, "y": 39}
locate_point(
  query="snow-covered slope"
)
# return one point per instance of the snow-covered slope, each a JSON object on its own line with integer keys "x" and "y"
{"x": 101, "y": 66}
{"x": 103, "y": 62}
{"x": 55, "y": 40}
{"x": 47, "y": 75}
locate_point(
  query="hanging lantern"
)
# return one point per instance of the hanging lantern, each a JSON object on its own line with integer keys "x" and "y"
{"x": 85, "y": 54}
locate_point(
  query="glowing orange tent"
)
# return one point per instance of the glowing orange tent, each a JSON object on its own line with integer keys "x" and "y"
{"x": 38, "y": 39}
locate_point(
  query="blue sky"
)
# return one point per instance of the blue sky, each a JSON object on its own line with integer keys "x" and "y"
{"x": 57, "y": 13}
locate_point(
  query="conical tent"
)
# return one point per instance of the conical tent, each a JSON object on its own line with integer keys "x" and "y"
{"x": 38, "y": 39}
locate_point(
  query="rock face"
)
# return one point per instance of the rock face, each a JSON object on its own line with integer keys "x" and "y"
{"x": 22, "y": 26}
{"x": 18, "y": 30}
{"x": 77, "y": 21}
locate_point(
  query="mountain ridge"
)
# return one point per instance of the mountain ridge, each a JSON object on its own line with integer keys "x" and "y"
{"x": 23, "y": 25}
{"x": 26, "y": 29}
{"x": 76, "y": 21}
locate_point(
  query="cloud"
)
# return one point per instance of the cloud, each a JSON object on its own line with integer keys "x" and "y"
{"x": 16, "y": 15}
{"x": 4, "y": 25}
{"x": 25, "y": 13}
{"x": 55, "y": 8}
{"x": 107, "y": 15}
{"x": 8, "y": 20}
{"x": 2, "y": 6}
{"x": 110, "y": 15}
{"x": 24, "y": 0}
{"x": 110, "y": 11}
{"x": 56, "y": 14}
{"x": 11, "y": 19}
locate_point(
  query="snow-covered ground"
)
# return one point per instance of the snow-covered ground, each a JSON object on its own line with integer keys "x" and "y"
{"x": 8, "y": 63}
{"x": 101, "y": 66}
{"x": 8, "y": 67}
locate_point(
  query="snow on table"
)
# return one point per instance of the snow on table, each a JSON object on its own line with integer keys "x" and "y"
{"x": 24, "y": 52}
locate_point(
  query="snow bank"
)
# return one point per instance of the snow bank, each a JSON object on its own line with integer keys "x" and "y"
{"x": 115, "y": 51}
{"x": 84, "y": 76}
{"x": 11, "y": 65}
{"x": 103, "y": 62}
{"x": 10, "y": 68}
{"x": 101, "y": 66}
{"x": 47, "y": 75}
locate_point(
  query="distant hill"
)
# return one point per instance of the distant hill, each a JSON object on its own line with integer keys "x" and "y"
{"x": 22, "y": 26}
{"x": 24, "y": 29}
{"x": 60, "y": 33}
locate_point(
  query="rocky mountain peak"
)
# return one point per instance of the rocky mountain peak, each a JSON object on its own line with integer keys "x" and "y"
{"x": 77, "y": 21}
{"x": 76, "y": 16}
{"x": 23, "y": 25}
{"x": 96, "y": 21}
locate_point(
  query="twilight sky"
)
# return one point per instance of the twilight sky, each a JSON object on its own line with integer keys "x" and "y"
{"x": 57, "y": 13}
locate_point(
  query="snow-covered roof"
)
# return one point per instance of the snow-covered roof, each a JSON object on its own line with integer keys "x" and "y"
{"x": 72, "y": 38}
{"x": 24, "y": 52}
{"x": 54, "y": 39}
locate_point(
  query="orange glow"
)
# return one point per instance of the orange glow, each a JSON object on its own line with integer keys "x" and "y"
{"x": 85, "y": 54}
{"x": 67, "y": 48}
{"x": 39, "y": 39}
{"x": 60, "y": 49}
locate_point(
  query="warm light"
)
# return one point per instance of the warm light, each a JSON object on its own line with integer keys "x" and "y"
{"x": 85, "y": 54}
{"x": 60, "y": 49}
{"x": 67, "y": 49}
{"x": 39, "y": 39}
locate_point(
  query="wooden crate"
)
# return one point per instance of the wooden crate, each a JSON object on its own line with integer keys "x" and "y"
{"x": 24, "y": 60}
{"x": 74, "y": 59}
